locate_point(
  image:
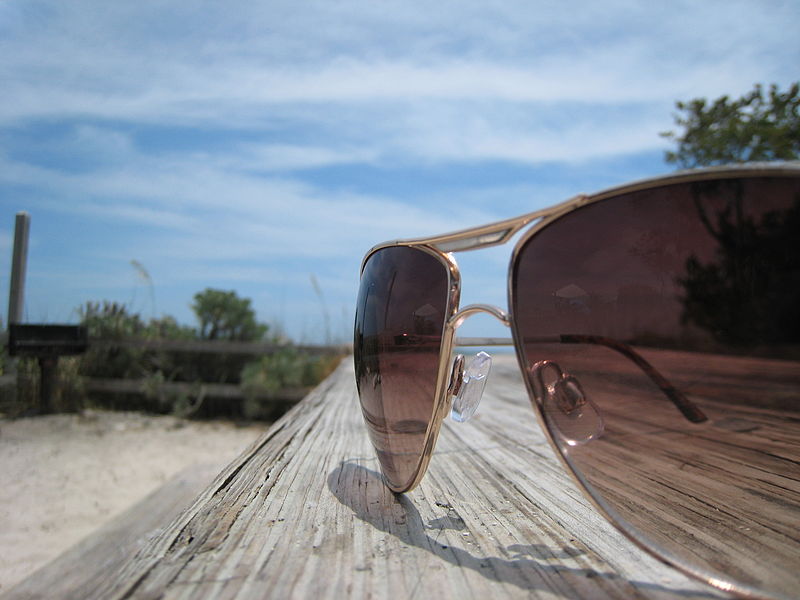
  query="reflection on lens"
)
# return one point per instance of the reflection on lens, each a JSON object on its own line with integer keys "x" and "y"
{"x": 702, "y": 281}
{"x": 400, "y": 316}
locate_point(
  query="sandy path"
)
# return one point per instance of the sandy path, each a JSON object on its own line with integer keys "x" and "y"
{"x": 62, "y": 476}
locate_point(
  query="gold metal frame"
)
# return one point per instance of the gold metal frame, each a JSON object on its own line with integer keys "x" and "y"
{"x": 493, "y": 234}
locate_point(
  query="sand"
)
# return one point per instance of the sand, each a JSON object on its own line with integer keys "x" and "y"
{"x": 63, "y": 476}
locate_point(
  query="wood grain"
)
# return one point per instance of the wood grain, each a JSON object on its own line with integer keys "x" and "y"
{"x": 303, "y": 513}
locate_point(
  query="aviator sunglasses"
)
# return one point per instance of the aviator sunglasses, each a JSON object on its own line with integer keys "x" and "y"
{"x": 657, "y": 329}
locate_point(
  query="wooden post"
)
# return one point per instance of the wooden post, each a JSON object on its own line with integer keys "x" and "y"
{"x": 16, "y": 288}
{"x": 48, "y": 372}
{"x": 19, "y": 262}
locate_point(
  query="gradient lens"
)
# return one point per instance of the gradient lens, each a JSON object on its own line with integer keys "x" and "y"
{"x": 400, "y": 316}
{"x": 675, "y": 395}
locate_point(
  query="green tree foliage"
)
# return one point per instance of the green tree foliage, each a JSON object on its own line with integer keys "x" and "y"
{"x": 758, "y": 126}
{"x": 225, "y": 316}
{"x": 167, "y": 328}
{"x": 112, "y": 321}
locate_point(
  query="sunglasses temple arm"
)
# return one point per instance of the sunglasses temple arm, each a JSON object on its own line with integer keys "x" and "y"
{"x": 688, "y": 408}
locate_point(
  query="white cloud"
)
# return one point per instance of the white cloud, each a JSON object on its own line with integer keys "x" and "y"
{"x": 198, "y": 211}
{"x": 288, "y": 157}
{"x": 501, "y": 82}
{"x": 108, "y": 62}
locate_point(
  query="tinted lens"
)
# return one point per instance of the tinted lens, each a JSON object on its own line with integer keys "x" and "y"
{"x": 676, "y": 395}
{"x": 400, "y": 316}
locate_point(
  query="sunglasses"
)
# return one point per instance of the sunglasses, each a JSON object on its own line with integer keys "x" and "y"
{"x": 657, "y": 329}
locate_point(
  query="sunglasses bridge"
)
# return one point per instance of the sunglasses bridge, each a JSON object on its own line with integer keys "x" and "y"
{"x": 468, "y": 380}
{"x": 468, "y": 311}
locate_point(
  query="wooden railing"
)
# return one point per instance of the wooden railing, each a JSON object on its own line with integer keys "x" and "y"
{"x": 215, "y": 346}
{"x": 199, "y": 390}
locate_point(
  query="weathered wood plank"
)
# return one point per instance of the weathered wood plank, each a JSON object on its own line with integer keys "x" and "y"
{"x": 303, "y": 513}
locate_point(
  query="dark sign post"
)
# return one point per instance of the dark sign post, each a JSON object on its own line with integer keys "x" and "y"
{"x": 19, "y": 261}
{"x": 47, "y": 343}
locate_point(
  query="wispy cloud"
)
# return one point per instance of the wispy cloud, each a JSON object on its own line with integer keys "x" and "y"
{"x": 232, "y": 66}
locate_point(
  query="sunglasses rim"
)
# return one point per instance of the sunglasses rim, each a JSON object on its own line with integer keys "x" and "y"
{"x": 443, "y": 246}
{"x": 440, "y": 404}
{"x": 595, "y": 498}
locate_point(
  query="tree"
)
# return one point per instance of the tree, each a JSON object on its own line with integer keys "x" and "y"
{"x": 225, "y": 316}
{"x": 755, "y": 127}
{"x": 746, "y": 295}
{"x": 111, "y": 321}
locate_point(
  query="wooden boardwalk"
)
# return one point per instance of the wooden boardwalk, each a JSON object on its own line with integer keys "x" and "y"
{"x": 303, "y": 514}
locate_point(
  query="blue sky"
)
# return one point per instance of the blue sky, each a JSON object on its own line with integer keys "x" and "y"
{"x": 257, "y": 145}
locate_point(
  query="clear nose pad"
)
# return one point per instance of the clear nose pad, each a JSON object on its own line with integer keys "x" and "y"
{"x": 567, "y": 408}
{"x": 468, "y": 384}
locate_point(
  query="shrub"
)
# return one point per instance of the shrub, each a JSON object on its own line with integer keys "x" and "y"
{"x": 262, "y": 381}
